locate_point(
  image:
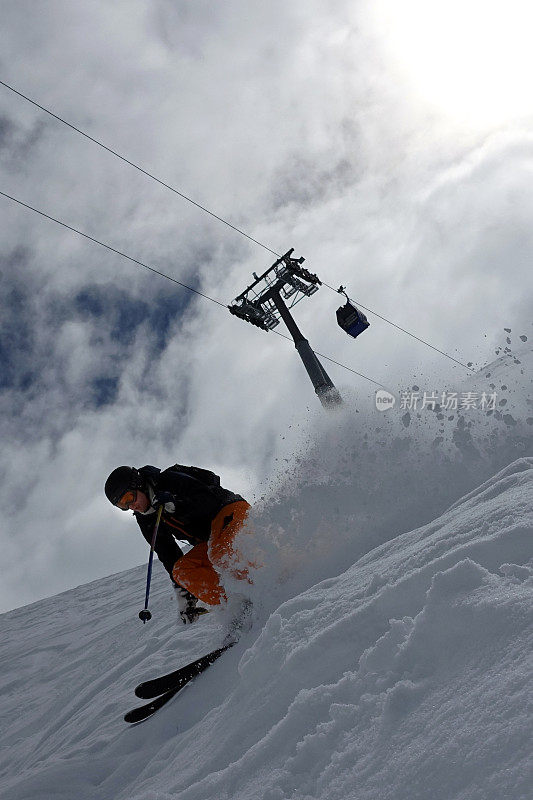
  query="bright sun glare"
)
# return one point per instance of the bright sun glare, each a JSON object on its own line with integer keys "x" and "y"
{"x": 472, "y": 59}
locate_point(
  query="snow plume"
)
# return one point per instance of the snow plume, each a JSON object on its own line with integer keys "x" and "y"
{"x": 361, "y": 477}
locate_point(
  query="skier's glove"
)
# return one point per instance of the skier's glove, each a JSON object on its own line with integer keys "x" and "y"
{"x": 164, "y": 499}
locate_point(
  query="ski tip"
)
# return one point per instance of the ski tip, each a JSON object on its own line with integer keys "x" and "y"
{"x": 140, "y": 714}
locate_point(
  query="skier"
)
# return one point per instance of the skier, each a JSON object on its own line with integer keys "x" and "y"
{"x": 196, "y": 509}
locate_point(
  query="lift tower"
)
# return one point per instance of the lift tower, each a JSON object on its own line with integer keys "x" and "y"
{"x": 263, "y": 304}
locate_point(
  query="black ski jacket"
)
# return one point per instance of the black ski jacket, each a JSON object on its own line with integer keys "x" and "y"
{"x": 197, "y": 496}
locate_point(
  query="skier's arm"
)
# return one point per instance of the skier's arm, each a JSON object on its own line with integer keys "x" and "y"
{"x": 193, "y": 501}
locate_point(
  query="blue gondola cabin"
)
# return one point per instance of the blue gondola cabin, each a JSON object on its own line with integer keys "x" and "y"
{"x": 352, "y": 320}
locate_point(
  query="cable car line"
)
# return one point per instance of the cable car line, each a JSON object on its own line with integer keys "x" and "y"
{"x": 405, "y": 331}
{"x": 202, "y": 208}
{"x": 158, "y": 272}
{"x": 136, "y": 166}
{"x": 113, "y": 249}
{"x": 339, "y": 364}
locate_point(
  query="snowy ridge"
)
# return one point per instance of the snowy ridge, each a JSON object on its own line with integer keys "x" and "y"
{"x": 404, "y": 677}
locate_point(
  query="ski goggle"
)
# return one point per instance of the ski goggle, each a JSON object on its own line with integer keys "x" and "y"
{"x": 126, "y": 500}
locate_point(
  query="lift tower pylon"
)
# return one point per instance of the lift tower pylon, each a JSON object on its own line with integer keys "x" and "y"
{"x": 263, "y": 304}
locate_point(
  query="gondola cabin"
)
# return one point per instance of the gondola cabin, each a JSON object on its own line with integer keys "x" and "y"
{"x": 352, "y": 320}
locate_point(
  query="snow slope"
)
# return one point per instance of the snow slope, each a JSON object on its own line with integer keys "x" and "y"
{"x": 407, "y": 676}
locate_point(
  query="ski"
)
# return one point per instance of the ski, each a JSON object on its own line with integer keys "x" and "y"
{"x": 164, "y": 688}
{"x": 143, "y": 712}
{"x": 174, "y": 681}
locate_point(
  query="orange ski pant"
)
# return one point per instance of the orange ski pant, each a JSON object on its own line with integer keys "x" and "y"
{"x": 195, "y": 571}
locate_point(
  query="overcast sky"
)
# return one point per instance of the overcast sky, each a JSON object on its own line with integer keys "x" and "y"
{"x": 388, "y": 143}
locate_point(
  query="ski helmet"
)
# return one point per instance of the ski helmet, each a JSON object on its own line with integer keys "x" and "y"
{"x": 120, "y": 481}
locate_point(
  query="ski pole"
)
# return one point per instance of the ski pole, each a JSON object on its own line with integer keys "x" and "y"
{"x": 145, "y": 614}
